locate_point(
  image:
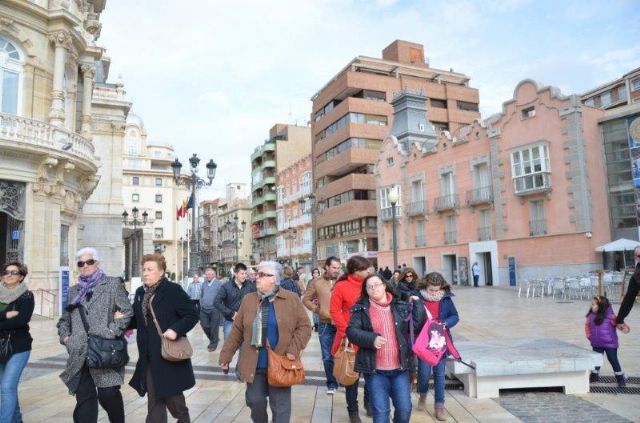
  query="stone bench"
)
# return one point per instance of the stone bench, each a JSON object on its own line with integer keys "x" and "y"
{"x": 522, "y": 363}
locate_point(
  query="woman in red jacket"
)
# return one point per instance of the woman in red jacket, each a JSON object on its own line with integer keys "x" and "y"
{"x": 344, "y": 295}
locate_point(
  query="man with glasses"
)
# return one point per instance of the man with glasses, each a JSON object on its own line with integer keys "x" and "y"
{"x": 231, "y": 294}
{"x": 317, "y": 298}
{"x": 194, "y": 290}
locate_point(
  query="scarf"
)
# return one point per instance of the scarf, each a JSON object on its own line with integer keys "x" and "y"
{"x": 8, "y": 295}
{"x": 148, "y": 293}
{"x": 87, "y": 283}
{"x": 430, "y": 297}
{"x": 259, "y": 327}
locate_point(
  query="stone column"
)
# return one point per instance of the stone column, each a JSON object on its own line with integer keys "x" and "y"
{"x": 62, "y": 41}
{"x": 88, "y": 72}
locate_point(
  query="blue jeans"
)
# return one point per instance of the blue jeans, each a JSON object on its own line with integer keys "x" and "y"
{"x": 385, "y": 384}
{"x": 226, "y": 328}
{"x": 424, "y": 373}
{"x": 9, "y": 377}
{"x": 612, "y": 356}
{"x": 326, "y": 333}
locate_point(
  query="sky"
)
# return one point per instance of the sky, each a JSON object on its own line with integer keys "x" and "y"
{"x": 212, "y": 77}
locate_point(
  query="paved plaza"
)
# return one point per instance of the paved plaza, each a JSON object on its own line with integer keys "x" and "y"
{"x": 486, "y": 314}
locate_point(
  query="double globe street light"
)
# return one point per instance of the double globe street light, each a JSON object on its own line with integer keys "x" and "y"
{"x": 193, "y": 182}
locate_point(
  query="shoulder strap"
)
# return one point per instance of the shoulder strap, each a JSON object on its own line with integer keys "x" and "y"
{"x": 410, "y": 320}
{"x": 153, "y": 313}
{"x": 83, "y": 318}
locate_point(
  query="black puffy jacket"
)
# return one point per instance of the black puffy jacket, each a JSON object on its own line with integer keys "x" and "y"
{"x": 229, "y": 297}
{"x": 360, "y": 332}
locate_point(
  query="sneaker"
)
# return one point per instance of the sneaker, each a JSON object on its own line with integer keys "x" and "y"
{"x": 331, "y": 391}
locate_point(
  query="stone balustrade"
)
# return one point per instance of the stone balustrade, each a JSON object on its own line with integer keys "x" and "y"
{"x": 38, "y": 134}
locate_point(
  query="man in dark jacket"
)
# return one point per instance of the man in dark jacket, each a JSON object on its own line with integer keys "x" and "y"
{"x": 231, "y": 294}
{"x": 630, "y": 297}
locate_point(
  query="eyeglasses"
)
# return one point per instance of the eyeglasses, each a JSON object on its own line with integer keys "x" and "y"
{"x": 264, "y": 275}
{"x": 89, "y": 262}
{"x": 374, "y": 286}
{"x": 11, "y": 273}
{"x": 409, "y": 276}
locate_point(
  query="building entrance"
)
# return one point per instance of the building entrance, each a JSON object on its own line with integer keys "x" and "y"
{"x": 449, "y": 268}
{"x": 485, "y": 268}
{"x": 12, "y": 221}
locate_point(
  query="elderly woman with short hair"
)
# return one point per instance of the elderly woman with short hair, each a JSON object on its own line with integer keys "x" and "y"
{"x": 104, "y": 301}
{"x": 271, "y": 316}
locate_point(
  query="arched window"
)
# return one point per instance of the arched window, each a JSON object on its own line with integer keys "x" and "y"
{"x": 10, "y": 77}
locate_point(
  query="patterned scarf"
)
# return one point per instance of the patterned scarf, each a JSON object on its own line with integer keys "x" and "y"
{"x": 430, "y": 297}
{"x": 148, "y": 293}
{"x": 87, "y": 283}
{"x": 259, "y": 328}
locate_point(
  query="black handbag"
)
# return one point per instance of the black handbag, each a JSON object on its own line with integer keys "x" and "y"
{"x": 104, "y": 353}
{"x": 6, "y": 349}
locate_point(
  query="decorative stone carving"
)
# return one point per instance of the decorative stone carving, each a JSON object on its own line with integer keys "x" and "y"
{"x": 88, "y": 70}
{"x": 12, "y": 199}
{"x": 61, "y": 39}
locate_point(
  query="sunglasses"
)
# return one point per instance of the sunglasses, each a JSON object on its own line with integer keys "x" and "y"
{"x": 88, "y": 262}
{"x": 265, "y": 275}
{"x": 11, "y": 273}
{"x": 410, "y": 276}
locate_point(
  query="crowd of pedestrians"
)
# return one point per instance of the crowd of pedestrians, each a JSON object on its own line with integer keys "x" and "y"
{"x": 262, "y": 314}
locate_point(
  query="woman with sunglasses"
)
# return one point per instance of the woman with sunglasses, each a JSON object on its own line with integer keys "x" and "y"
{"x": 104, "y": 301}
{"x": 16, "y": 308}
{"x": 407, "y": 284}
{"x": 275, "y": 318}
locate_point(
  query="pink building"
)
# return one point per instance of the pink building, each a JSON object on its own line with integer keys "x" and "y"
{"x": 525, "y": 189}
{"x": 294, "y": 241}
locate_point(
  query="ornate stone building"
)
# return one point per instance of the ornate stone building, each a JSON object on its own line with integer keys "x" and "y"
{"x": 59, "y": 133}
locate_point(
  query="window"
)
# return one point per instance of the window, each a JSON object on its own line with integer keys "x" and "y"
{"x": 467, "y": 105}
{"x": 537, "y": 223}
{"x": 389, "y": 161}
{"x": 351, "y": 117}
{"x": 135, "y": 180}
{"x": 440, "y": 126}
{"x": 158, "y": 182}
{"x": 484, "y": 225}
{"x": 158, "y": 198}
{"x": 530, "y": 169}
{"x": 133, "y": 147}
{"x": 305, "y": 184}
{"x": 450, "y": 229}
{"x": 635, "y": 85}
{"x": 439, "y": 104}
{"x": 158, "y": 233}
{"x": 528, "y": 112}
{"x": 384, "y": 198}
{"x": 135, "y": 198}
{"x": 589, "y": 102}
{"x": 605, "y": 99}
{"x": 158, "y": 215}
{"x": 421, "y": 240}
{"x": 349, "y": 144}
{"x": 64, "y": 245}
{"x": 10, "y": 77}
{"x": 447, "y": 184}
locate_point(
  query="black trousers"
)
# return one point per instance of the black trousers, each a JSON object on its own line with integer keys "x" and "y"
{"x": 210, "y": 321}
{"x": 87, "y": 399}
{"x": 157, "y": 408}
{"x": 256, "y": 398}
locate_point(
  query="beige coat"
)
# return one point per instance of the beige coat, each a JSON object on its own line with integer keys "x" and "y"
{"x": 319, "y": 289}
{"x": 294, "y": 331}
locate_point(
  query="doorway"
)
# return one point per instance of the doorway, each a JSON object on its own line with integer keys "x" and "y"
{"x": 485, "y": 267}
{"x": 449, "y": 268}
{"x": 420, "y": 266}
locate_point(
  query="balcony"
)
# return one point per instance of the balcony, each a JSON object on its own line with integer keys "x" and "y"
{"x": 387, "y": 213}
{"x": 268, "y": 164}
{"x": 485, "y": 233}
{"x": 268, "y": 232}
{"x": 537, "y": 227}
{"x": 421, "y": 241}
{"x": 450, "y": 237}
{"x": 532, "y": 184}
{"x": 29, "y": 134}
{"x": 483, "y": 195}
{"x": 267, "y": 180}
{"x": 446, "y": 202}
{"x": 417, "y": 208}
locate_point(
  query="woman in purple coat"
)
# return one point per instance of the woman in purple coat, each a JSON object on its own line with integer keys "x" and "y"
{"x": 600, "y": 329}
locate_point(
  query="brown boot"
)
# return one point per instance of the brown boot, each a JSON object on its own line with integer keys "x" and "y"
{"x": 440, "y": 414}
{"x": 422, "y": 400}
{"x": 354, "y": 418}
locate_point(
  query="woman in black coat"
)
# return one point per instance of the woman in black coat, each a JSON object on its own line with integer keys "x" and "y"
{"x": 163, "y": 381}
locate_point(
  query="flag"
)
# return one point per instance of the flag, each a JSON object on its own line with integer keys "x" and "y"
{"x": 178, "y": 212}
{"x": 190, "y": 203}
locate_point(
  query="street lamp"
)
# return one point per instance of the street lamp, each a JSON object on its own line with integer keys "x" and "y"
{"x": 291, "y": 234}
{"x": 393, "y": 199}
{"x": 194, "y": 182}
{"x": 233, "y": 228}
{"x": 308, "y": 206}
{"x": 135, "y": 222}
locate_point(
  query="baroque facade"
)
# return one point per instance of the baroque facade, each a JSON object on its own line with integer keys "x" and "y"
{"x": 58, "y": 179}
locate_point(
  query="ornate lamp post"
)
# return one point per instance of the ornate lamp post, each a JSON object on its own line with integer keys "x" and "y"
{"x": 135, "y": 222}
{"x": 393, "y": 199}
{"x": 291, "y": 234}
{"x": 308, "y": 206}
{"x": 232, "y": 227}
{"x": 194, "y": 182}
